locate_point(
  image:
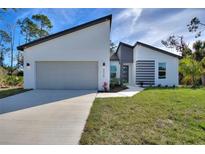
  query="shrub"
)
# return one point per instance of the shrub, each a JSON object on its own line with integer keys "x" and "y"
{"x": 141, "y": 84}
{"x": 3, "y": 71}
{"x": 114, "y": 82}
{"x": 9, "y": 81}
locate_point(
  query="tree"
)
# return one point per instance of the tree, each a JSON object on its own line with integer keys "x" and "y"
{"x": 196, "y": 26}
{"x": 44, "y": 24}
{"x": 202, "y": 63}
{"x": 199, "y": 50}
{"x": 28, "y": 29}
{"x": 178, "y": 43}
{"x": 12, "y": 34}
{"x": 191, "y": 70}
{"x": 4, "y": 40}
{"x": 113, "y": 47}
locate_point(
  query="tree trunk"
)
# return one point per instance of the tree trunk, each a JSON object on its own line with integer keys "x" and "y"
{"x": 203, "y": 79}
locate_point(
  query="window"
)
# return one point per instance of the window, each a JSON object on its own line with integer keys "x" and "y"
{"x": 162, "y": 70}
{"x": 113, "y": 71}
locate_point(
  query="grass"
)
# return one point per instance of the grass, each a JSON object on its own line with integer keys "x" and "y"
{"x": 10, "y": 91}
{"x": 154, "y": 116}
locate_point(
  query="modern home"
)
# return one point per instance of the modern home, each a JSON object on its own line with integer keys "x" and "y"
{"x": 144, "y": 65}
{"x": 79, "y": 58}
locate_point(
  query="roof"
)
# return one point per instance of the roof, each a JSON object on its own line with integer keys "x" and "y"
{"x": 125, "y": 44}
{"x": 157, "y": 49}
{"x": 150, "y": 47}
{"x": 67, "y": 31}
{"x": 114, "y": 57}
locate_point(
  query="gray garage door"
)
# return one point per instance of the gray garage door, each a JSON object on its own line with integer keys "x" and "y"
{"x": 66, "y": 75}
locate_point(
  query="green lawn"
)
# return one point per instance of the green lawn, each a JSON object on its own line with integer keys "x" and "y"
{"x": 11, "y": 91}
{"x": 154, "y": 116}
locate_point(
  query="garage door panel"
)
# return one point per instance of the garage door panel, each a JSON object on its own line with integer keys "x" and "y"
{"x": 66, "y": 75}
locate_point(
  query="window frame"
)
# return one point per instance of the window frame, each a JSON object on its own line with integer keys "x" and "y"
{"x": 113, "y": 72}
{"x": 164, "y": 70}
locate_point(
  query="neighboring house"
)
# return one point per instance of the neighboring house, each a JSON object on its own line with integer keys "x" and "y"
{"x": 77, "y": 58}
{"x": 145, "y": 65}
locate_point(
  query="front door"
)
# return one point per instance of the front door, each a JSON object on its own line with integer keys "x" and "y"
{"x": 125, "y": 74}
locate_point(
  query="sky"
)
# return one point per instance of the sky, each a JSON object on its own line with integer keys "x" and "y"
{"x": 128, "y": 25}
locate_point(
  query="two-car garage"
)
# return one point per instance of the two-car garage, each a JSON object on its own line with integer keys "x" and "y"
{"x": 66, "y": 75}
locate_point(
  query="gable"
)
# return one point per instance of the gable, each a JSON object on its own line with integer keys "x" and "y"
{"x": 156, "y": 49}
{"x": 142, "y": 52}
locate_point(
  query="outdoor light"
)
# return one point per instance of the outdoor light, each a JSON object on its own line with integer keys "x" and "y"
{"x": 103, "y": 69}
{"x": 28, "y": 64}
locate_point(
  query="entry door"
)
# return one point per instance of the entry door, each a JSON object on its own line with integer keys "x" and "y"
{"x": 125, "y": 73}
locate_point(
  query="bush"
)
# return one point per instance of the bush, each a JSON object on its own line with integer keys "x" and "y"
{"x": 114, "y": 82}
{"x": 10, "y": 81}
{"x": 3, "y": 71}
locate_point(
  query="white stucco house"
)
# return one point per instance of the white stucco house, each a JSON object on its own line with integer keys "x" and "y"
{"x": 144, "y": 65}
{"x": 76, "y": 58}
{"x": 79, "y": 58}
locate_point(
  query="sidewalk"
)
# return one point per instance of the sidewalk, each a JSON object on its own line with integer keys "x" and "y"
{"x": 131, "y": 91}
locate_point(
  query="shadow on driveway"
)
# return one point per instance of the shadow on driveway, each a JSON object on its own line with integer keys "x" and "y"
{"x": 38, "y": 97}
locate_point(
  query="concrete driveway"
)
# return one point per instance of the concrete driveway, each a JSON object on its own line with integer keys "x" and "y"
{"x": 45, "y": 116}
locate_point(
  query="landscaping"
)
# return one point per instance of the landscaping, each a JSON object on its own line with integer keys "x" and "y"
{"x": 154, "y": 116}
{"x": 10, "y": 91}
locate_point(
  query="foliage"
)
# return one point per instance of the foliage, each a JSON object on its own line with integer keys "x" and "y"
{"x": 10, "y": 81}
{"x": 3, "y": 71}
{"x": 199, "y": 50}
{"x": 202, "y": 63}
{"x": 4, "y": 40}
{"x": 154, "y": 116}
{"x": 196, "y": 26}
{"x": 28, "y": 29}
{"x": 114, "y": 82}
{"x": 191, "y": 70}
{"x": 178, "y": 43}
{"x": 113, "y": 47}
{"x": 44, "y": 24}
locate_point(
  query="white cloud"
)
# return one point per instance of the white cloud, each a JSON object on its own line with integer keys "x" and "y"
{"x": 124, "y": 23}
{"x": 136, "y": 27}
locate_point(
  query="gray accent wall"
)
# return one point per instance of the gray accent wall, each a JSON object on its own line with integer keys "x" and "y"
{"x": 125, "y": 54}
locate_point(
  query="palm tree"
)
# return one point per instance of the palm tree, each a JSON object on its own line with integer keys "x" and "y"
{"x": 202, "y": 63}
{"x": 191, "y": 70}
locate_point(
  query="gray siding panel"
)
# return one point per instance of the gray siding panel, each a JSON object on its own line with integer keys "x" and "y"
{"x": 145, "y": 72}
{"x": 126, "y": 54}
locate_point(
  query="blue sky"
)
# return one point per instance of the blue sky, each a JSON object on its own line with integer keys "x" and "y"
{"x": 128, "y": 25}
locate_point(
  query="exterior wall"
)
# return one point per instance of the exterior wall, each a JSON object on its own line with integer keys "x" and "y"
{"x": 117, "y": 64}
{"x": 143, "y": 53}
{"x": 89, "y": 44}
{"x": 125, "y": 54}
